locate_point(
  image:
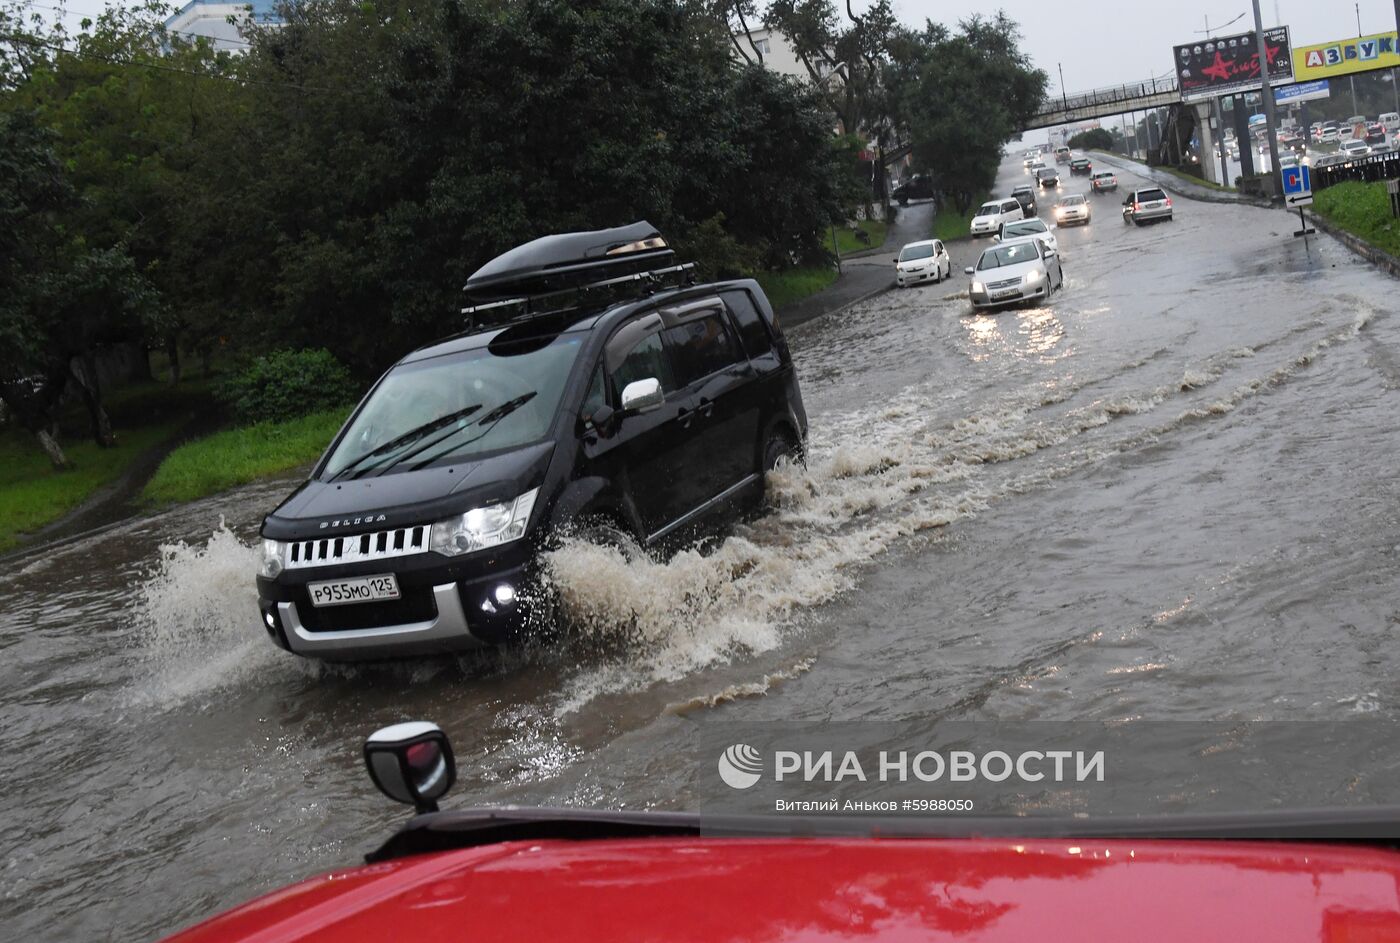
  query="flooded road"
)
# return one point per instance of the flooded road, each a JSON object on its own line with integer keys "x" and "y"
{"x": 1169, "y": 494}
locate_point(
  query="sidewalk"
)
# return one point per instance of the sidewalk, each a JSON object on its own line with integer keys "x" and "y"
{"x": 1176, "y": 185}
{"x": 866, "y": 273}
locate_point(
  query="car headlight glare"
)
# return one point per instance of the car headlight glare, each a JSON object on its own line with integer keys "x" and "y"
{"x": 978, "y": 287}
{"x": 1034, "y": 275}
{"x": 487, "y": 526}
{"x": 271, "y": 564}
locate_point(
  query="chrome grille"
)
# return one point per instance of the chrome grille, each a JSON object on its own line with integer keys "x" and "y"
{"x": 1004, "y": 283}
{"x": 377, "y": 546}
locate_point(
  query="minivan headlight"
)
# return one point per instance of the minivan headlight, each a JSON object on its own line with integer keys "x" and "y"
{"x": 271, "y": 563}
{"x": 479, "y": 528}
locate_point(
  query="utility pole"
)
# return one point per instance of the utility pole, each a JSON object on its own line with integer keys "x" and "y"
{"x": 1354, "y": 109}
{"x": 1064, "y": 99}
{"x": 1267, "y": 93}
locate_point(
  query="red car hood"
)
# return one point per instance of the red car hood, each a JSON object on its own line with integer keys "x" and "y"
{"x": 707, "y": 890}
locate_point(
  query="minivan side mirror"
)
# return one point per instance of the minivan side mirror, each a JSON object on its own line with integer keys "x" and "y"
{"x": 969, "y": 270}
{"x": 996, "y": 238}
{"x": 641, "y": 396}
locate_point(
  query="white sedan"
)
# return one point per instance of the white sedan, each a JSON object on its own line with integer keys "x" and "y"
{"x": 1028, "y": 227}
{"x": 922, "y": 261}
{"x": 1013, "y": 272}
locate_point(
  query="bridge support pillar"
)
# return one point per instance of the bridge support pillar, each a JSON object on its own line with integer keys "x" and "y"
{"x": 1210, "y": 164}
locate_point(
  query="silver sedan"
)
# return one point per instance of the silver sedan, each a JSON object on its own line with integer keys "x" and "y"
{"x": 1016, "y": 271}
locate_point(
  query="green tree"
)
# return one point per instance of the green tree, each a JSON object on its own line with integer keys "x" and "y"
{"x": 1094, "y": 138}
{"x": 961, "y": 96}
{"x": 61, "y": 299}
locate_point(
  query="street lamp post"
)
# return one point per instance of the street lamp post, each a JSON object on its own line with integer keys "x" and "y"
{"x": 1267, "y": 93}
{"x": 1064, "y": 99}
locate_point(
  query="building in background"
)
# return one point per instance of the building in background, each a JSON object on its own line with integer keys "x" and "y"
{"x": 212, "y": 21}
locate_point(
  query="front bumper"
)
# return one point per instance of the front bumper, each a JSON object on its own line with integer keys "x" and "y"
{"x": 984, "y": 229}
{"x": 1079, "y": 217}
{"x": 1023, "y": 294}
{"x": 446, "y": 605}
{"x": 913, "y": 278}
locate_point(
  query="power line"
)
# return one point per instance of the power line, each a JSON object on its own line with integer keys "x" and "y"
{"x": 93, "y": 57}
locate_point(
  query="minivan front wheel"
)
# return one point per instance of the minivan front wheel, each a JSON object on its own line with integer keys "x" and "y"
{"x": 778, "y": 447}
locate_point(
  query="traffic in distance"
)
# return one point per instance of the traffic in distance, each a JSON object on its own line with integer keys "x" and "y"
{"x": 1025, "y": 267}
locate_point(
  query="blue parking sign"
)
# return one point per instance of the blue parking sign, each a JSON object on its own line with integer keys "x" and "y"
{"x": 1297, "y": 185}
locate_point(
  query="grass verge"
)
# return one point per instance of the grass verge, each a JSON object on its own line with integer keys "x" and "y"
{"x": 790, "y": 285}
{"x": 32, "y": 494}
{"x": 1362, "y": 209}
{"x": 949, "y": 224}
{"x": 143, "y": 415}
{"x": 237, "y": 456}
{"x": 847, "y": 241}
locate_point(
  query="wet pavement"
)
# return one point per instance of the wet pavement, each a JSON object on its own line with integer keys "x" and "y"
{"x": 1169, "y": 494}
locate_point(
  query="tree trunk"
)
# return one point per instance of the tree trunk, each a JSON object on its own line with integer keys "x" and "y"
{"x": 52, "y": 449}
{"x": 34, "y": 408}
{"x": 102, "y": 432}
{"x": 172, "y": 352}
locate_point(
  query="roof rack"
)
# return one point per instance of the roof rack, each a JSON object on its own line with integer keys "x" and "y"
{"x": 569, "y": 270}
{"x": 600, "y": 293}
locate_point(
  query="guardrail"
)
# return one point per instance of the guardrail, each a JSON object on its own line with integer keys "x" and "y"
{"x": 1365, "y": 169}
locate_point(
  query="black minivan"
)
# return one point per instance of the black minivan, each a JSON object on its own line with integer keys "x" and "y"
{"x": 599, "y": 389}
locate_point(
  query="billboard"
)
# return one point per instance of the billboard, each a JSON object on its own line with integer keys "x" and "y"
{"x": 1302, "y": 92}
{"x": 1346, "y": 56}
{"x": 1229, "y": 64}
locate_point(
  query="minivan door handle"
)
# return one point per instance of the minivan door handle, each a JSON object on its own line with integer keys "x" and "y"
{"x": 684, "y": 417}
{"x": 706, "y": 408}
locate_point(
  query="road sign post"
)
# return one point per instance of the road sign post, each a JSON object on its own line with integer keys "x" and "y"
{"x": 1297, "y": 192}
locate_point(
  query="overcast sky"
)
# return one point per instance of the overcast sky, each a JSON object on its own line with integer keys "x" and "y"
{"x": 1104, "y": 42}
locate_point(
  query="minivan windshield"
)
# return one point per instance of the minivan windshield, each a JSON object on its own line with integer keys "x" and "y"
{"x": 499, "y": 396}
{"x": 916, "y": 252}
{"x": 989, "y": 209}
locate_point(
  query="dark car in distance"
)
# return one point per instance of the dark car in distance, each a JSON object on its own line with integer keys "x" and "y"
{"x": 1081, "y": 165}
{"x": 599, "y": 390}
{"x": 1047, "y": 177}
{"x": 1025, "y": 195}
{"x": 917, "y": 187}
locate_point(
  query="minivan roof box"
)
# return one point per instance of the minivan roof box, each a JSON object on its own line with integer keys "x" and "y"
{"x": 565, "y": 270}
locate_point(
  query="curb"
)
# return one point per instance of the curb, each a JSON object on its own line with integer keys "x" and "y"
{"x": 1377, "y": 257}
{"x": 784, "y": 318}
{"x": 1180, "y": 187}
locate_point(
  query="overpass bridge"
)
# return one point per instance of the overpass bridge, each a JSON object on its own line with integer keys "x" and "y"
{"x": 1103, "y": 102}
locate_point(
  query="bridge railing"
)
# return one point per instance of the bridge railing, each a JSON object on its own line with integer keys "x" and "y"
{"x": 1110, "y": 95}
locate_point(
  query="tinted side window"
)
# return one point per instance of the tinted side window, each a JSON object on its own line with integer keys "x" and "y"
{"x": 752, "y": 331}
{"x": 701, "y": 347}
{"x": 647, "y": 359}
{"x": 1011, "y": 206}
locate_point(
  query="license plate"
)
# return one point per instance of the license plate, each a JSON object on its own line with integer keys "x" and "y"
{"x": 359, "y": 589}
{"x": 1005, "y": 293}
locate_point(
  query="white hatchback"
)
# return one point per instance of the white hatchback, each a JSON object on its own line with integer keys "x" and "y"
{"x": 922, "y": 261}
{"x": 993, "y": 213}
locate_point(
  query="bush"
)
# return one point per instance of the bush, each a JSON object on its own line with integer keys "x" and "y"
{"x": 286, "y": 384}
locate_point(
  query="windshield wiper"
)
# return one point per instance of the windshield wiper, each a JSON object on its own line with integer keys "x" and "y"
{"x": 489, "y": 420}
{"x": 493, "y": 417}
{"x": 409, "y": 437}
